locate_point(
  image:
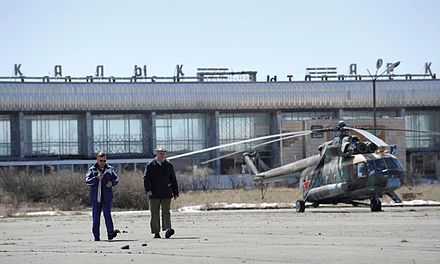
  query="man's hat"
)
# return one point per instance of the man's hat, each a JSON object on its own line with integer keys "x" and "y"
{"x": 161, "y": 149}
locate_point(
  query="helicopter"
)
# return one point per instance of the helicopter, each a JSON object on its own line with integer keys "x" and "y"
{"x": 345, "y": 169}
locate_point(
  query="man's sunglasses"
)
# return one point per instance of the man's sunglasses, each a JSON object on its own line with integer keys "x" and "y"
{"x": 102, "y": 160}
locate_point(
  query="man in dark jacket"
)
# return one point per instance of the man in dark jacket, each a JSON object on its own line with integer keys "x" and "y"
{"x": 101, "y": 178}
{"x": 160, "y": 186}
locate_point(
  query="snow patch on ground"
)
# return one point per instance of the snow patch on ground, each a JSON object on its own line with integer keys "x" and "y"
{"x": 226, "y": 206}
{"x": 413, "y": 203}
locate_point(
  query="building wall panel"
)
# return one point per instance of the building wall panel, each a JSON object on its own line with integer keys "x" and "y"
{"x": 22, "y": 96}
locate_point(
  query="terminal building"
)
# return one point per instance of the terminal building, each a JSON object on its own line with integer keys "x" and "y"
{"x": 61, "y": 122}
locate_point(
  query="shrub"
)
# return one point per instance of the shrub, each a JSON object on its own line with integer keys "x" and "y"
{"x": 23, "y": 187}
{"x": 129, "y": 193}
{"x": 66, "y": 190}
{"x": 193, "y": 180}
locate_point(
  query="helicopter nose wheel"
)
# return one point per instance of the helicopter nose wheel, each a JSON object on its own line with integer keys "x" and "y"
{"x": 375, "y": 205}
{"x": 300, "y": 206}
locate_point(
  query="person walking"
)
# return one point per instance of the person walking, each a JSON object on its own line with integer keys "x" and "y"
{"x": 160, "y": 185}
{"x": 101, "y": 178}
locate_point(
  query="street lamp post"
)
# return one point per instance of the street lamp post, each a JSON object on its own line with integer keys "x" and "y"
{"x": 374, "y": 105}
{"x": 390, "y": 68}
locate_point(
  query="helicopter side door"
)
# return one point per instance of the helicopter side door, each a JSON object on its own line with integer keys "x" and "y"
{"x": 360, "y": 175}
{"x": 354, "y": 172}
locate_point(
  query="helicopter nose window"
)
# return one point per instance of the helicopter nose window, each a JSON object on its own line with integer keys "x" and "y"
{"x": 379, "y": 165}
{"x": 393, "y": 164}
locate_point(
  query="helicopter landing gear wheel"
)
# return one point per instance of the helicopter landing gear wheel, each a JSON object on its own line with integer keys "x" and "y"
{"x": 375, "y": 205}
{"x": 300, "y": 206}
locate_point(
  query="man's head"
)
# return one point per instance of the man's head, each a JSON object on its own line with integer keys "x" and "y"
{"x": 161, "y": 154}
{"x": 101, "y": 159}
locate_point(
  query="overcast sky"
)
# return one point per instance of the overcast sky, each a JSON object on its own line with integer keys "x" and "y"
{"x": 270, "y": 37}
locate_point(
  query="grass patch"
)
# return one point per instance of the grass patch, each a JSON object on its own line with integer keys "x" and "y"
{"x": 273, "y": 195}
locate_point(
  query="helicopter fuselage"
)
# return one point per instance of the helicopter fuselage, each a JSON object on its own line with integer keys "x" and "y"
{"x": 348, "y": 169}
{"x": 357, "y": 177}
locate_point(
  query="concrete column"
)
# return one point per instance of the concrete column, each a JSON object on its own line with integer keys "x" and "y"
{"x": 275, "y": 128}
{"x": 17, "y": 135}
{"x": 14, "y": 132}
{"x": 152, "y": 132}
{"x": 213, "y": 139}
{"x": 149, "y": 133}
{"x": 23, "y": 132}
{"x": 82, "y": 135}
{"x": 401, "y": 112}
{"x": 340, "y": 114}
{"x": 89, "y": 134}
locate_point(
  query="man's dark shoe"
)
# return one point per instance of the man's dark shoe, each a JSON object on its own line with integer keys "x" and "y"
{"x": 169, "y": 233}
{"x": 112, "y": 235}
{"x": 97, "y": 239}
{"x": 156, "y": 235}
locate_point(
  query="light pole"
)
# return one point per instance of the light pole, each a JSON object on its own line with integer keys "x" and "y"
{"x": 374, "y": 77}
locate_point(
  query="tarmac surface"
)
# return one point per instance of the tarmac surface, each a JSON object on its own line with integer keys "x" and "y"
{"x": 320, "y": 235}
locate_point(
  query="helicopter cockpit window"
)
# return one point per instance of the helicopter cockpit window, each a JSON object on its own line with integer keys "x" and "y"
{"x": 393, "y": 164}
{"x": 382, "y": 164}
{"x": 361, "y": 170}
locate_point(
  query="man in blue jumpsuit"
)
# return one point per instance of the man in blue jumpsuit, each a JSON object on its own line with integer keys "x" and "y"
{"x": 101, "y": 178}
{"x": 160, "y": 185}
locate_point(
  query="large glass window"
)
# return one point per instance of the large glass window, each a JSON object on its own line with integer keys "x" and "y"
{"x": 51, "y": 135}
{"x": 368, "y": 114}
{"x": 181, "y": 132}
{"x": 423, "y": 121}
{"x": 5, "y": 136}
{"x": 120, "y": 134}
{"x": 237, "y": 127}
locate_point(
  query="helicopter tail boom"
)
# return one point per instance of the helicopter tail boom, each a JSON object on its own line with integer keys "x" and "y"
{"x": 293, "y": 167}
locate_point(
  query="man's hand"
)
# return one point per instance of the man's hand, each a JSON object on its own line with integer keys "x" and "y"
{"x": 100, "y": 176}
{"x": 149, "y": 193}
{"x": 109, "y": 184}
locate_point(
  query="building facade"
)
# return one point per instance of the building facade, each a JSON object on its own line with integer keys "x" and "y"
{"x": 66, "y": 122}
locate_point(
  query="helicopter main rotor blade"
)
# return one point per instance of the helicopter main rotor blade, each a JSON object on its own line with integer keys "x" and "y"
{"x": 434, "y": 133}
{"x": 257, "y": 146}
{"x": 240, "y": 142}
{"x": 377, "y": 141}
{"x": 244, "y": 141}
